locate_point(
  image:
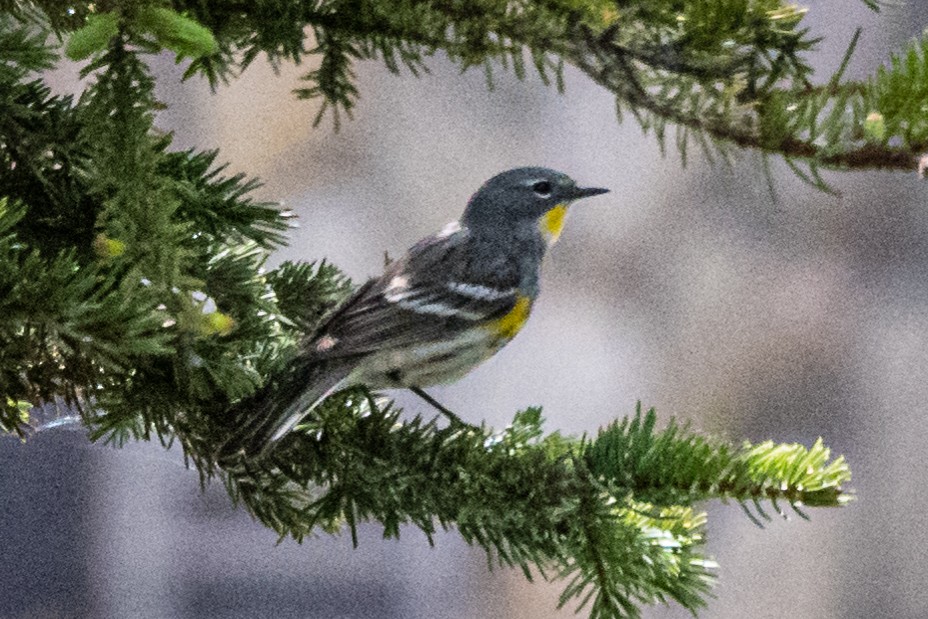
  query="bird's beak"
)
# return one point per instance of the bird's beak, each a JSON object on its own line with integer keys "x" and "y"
{"x": 585, "y": 192}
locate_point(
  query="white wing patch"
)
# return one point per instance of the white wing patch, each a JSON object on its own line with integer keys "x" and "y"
{"x": 326, "y": 343}
{"x": 399, "y": 292}
{"x": 452, "y": 228}
{"x": 426, "y": 306}
{"x": 479, "y": 291}
{"x": 397, "y": 289}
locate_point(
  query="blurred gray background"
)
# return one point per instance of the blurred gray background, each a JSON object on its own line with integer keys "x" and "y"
{"x": 691, "y": 289}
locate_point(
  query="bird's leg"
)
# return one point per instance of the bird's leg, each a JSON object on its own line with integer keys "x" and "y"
{"x": 438, "y": 406}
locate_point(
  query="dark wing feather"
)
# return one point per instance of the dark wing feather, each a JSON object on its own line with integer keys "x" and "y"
{"x": 370, "y": 321}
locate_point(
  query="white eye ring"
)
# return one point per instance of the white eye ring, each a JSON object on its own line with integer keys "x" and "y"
{"x": 542, "y": 189}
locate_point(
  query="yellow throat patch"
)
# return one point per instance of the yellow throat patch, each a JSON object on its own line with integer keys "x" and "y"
{"x": 552, "y": 222}
{"x": 510, "y": 324}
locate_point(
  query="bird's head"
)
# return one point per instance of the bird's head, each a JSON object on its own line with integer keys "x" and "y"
{"x": 536, "y": 197}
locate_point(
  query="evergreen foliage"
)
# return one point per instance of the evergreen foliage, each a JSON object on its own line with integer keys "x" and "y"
{"x": 132, "y": 281}
{"x": 722, "y": 72}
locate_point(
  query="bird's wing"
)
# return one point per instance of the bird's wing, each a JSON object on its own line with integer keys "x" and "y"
{"x": 423, "y": 297}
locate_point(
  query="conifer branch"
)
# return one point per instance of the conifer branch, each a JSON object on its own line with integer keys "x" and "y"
{"x": 735, "y": 73}
{"x": 132, "y": 281}
{"x": 621, "y": 504}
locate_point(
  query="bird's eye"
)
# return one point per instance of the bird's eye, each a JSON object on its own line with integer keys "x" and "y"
{"x": 542, "y": 189}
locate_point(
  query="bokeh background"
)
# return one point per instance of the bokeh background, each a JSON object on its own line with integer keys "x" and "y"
{"x": 787, "y": 315}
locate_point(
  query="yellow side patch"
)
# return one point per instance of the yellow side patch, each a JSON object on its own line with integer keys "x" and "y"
{"x": 552, "y": 222}
{"x": 510, "y": 324}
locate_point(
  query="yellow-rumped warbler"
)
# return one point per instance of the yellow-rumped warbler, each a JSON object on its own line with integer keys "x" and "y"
{"x": 449, "y": 304}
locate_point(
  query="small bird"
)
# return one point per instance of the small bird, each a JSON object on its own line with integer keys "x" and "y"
{"x": 454, "y": 300}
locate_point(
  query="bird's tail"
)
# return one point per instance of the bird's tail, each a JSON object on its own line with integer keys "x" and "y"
{"x": 263, "y": 419}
